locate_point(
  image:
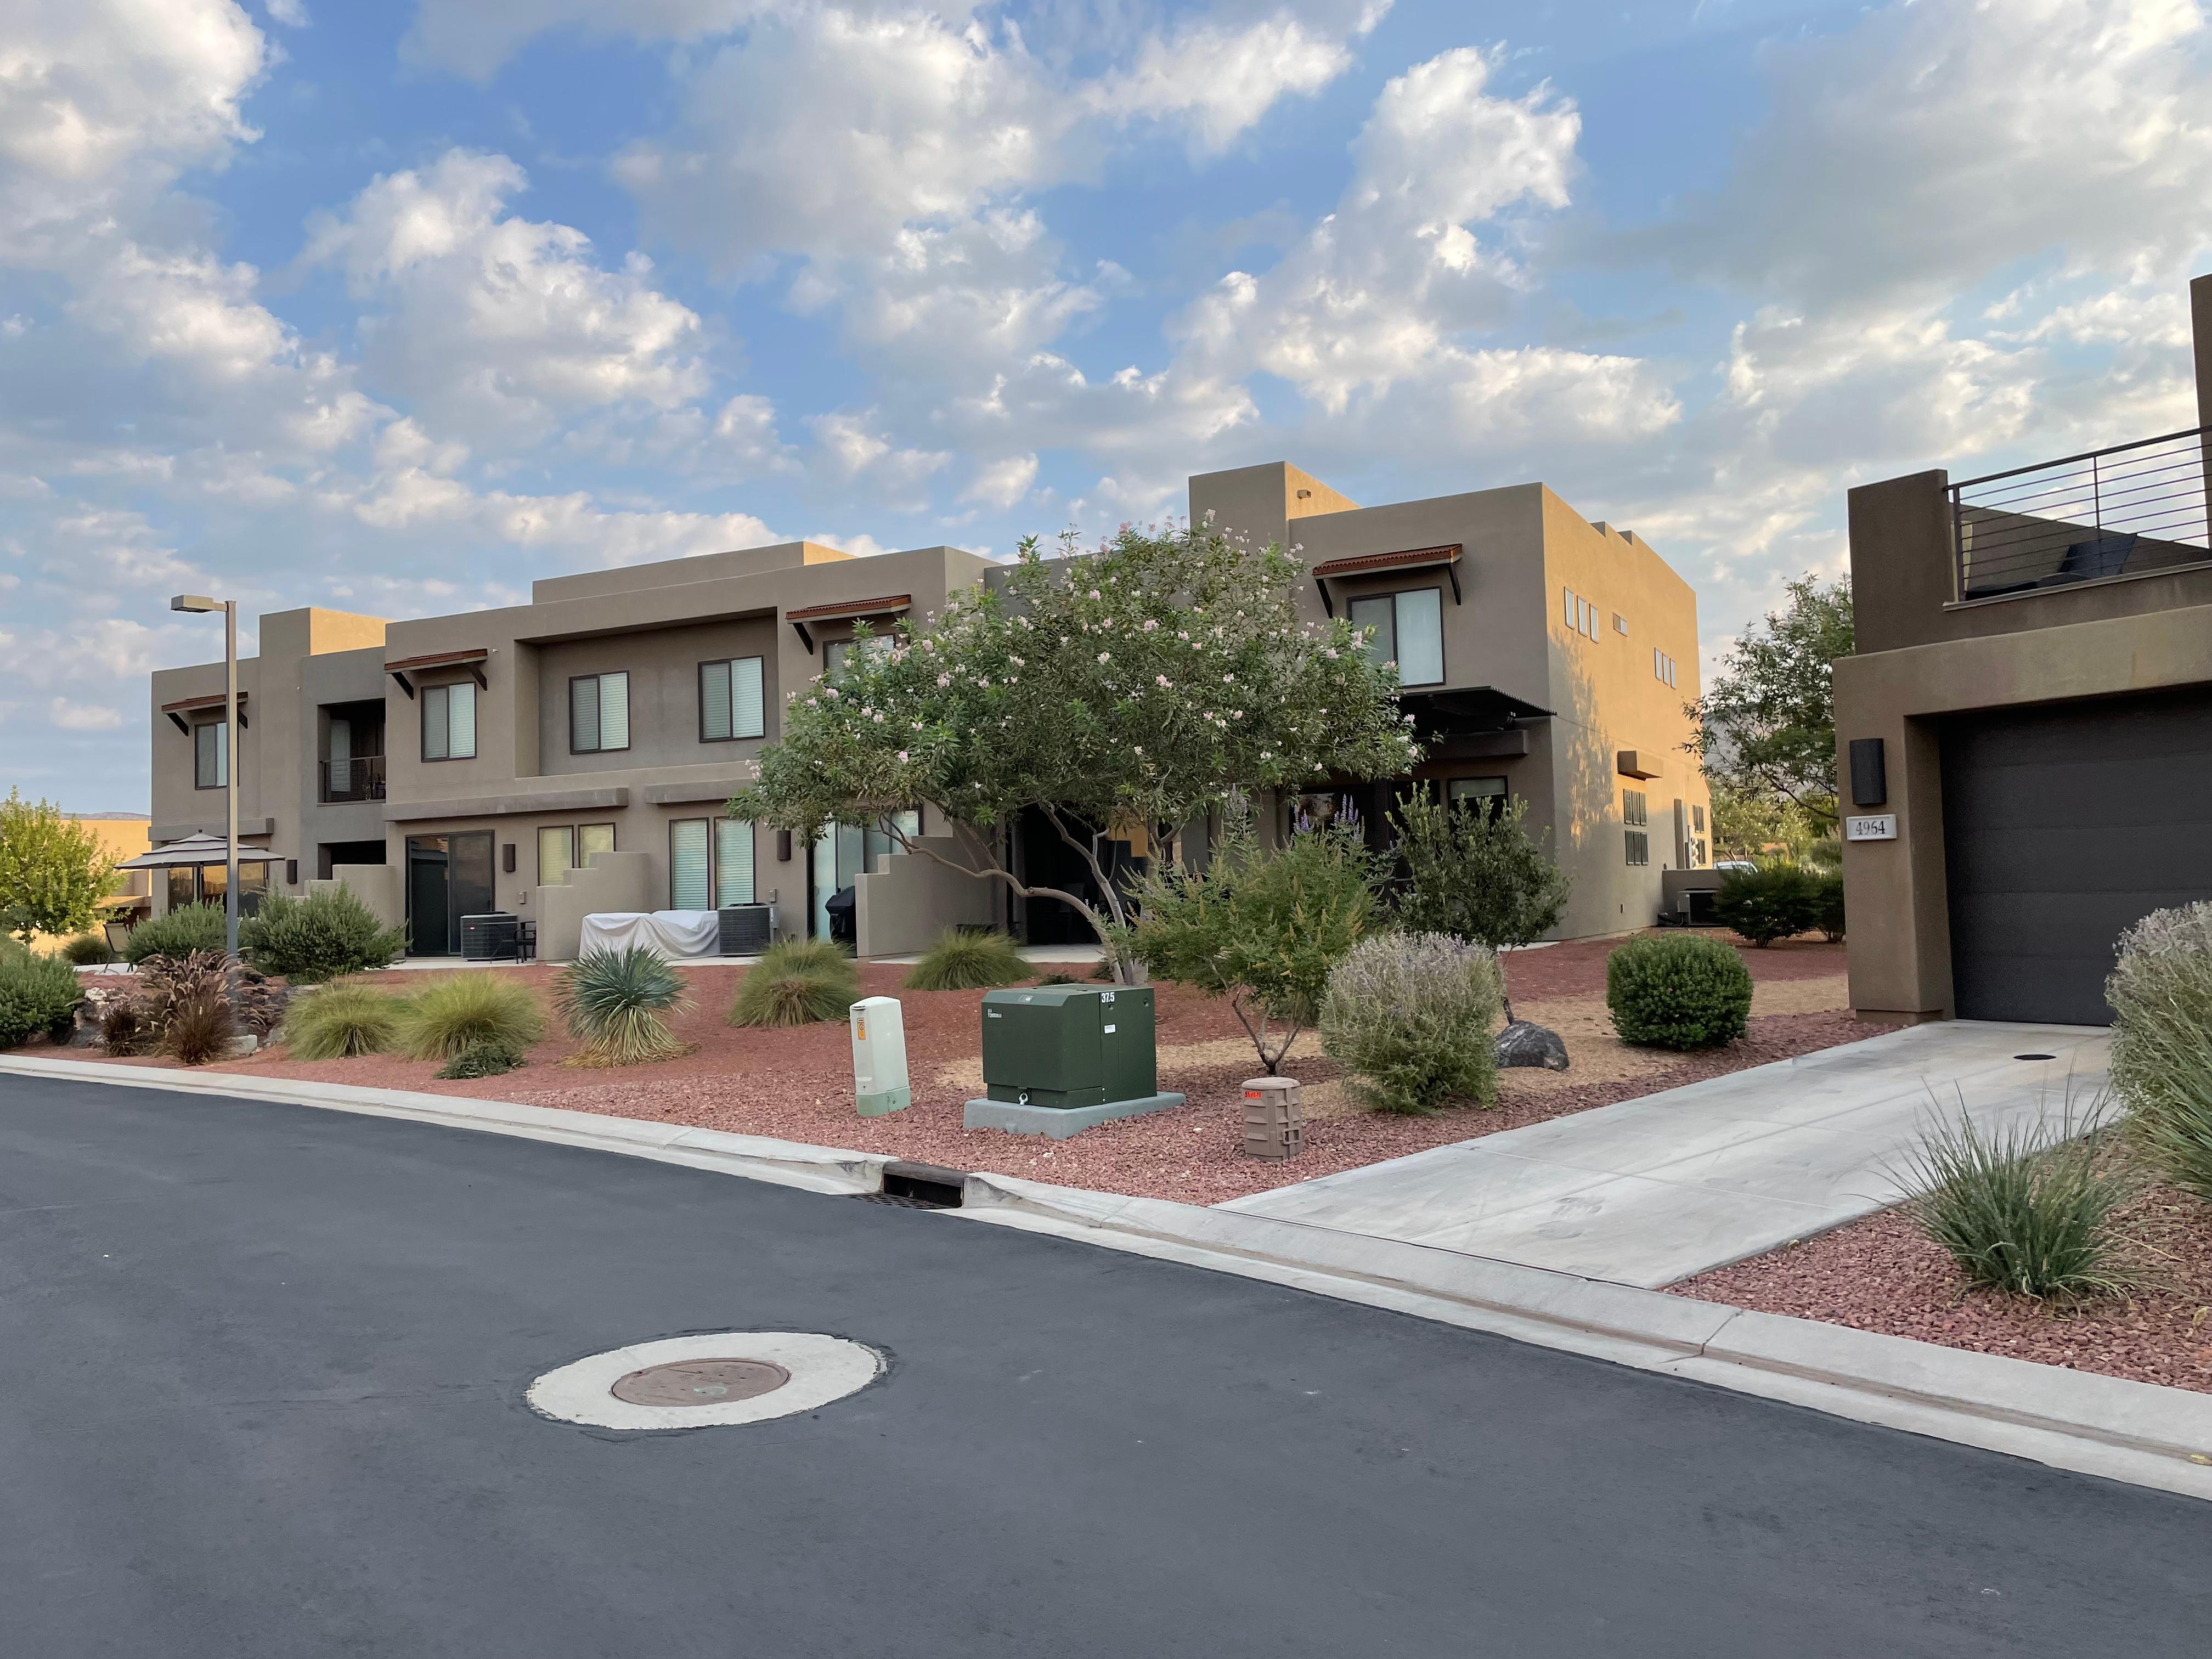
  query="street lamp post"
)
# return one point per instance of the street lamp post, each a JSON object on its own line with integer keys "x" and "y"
{"x": 229, "y": 608}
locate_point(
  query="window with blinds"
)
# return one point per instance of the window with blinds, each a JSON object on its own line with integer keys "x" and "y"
{"x": 731, "y": 703}
{"x": 733, "y": 862}
{"x": 689, "y": 865}
{"x": 557, "y": 854}
{"x": 1407, "y": 628}
{"x": 449, "y": 721}
{"x": 598, "y": 713}
{"x": 211, "y": 755}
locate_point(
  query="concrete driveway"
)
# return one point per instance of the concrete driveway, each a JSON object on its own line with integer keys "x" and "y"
{"x": 1652, "y": 1190}
{"x": 261, "y": 1372}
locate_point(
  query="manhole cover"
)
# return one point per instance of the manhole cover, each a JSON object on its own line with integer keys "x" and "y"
{"x": 700, "y": 1382}
{"x": 707, "y": 1381}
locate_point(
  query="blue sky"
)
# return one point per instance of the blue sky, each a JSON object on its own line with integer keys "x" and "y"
{"x": 394, "y": 307}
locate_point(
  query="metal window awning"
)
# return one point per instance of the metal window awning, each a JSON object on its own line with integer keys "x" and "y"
{"x": 183, "y": 707}
{"x": 198, "y": 848}
{"x": 1369, "y": 564}
{"x": 1468, "y": 711}
{"x": 405, "y": 667}
{"x": 844, "y": 610}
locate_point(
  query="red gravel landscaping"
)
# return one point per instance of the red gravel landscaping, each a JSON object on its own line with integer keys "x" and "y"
{"x": 797, "y": 1084}
{"x": 1881, "y": 1274}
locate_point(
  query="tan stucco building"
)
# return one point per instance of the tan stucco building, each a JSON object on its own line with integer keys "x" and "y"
{"x": 573, "y": 755}
{"x": 2025, "y": 731}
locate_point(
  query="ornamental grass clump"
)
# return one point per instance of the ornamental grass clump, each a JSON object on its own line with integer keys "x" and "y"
{"x": 87, "y": 951}
{"x": 2160, "y": 990}
{"x": 1410, "y": 1018}
{"x": 37, "y": 993}
{"x": 617, "y": 1005}
{"x": 184, "y": 930}
{"x": 317, "y": 938}
{"x": 201, "y": 1028}
{"x": 2026, "y": 1210}
{"x": 1677, "y": 991}
{"x": 1777, "y": 900}
{"x": 340, "y": 1022}
{"x": 796, "y": 982}
{"x": 459, "y": 1011}
{"x": 966, "y": 960}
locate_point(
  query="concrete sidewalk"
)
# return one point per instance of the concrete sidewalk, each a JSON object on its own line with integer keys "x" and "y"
{"x": 1652, "y": 1190}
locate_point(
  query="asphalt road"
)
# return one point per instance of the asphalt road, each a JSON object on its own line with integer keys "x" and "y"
{"x": 261, "y": 1381}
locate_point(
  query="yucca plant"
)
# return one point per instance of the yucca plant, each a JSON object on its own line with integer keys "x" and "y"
{"x": 2026, "y": 1210}
{"x": 341, "y": 1021}
{"x": 617, "y": 1004}
{"x": 459, "y": 1011}
{"x": 796, "y": 982}
{"x": 966, "y": 960}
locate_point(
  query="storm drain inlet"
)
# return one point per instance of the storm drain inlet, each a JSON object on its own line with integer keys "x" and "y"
{"x": 920, "y": 1187}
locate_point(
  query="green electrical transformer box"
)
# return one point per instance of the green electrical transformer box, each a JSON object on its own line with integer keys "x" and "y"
{"x": 1069, "y": 1045}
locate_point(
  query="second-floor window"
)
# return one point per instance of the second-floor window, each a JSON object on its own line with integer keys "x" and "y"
{"x": 563, "y": 848}
{"x": 598, "y": 713}
{"x": 211, "y": 755}
{"x": 1407, "y": 628}
{"x": 449, "y": 721}
{"x": 730, "y": 700}
{"x": 1636, "y": 809}
{"x": 837, "y": 654}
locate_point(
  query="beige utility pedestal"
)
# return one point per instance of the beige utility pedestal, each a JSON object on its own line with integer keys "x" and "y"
{"x": 1274, "y": 1122}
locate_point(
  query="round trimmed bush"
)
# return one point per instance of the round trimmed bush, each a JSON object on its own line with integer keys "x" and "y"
{"x": 1410, "y": 1017}
{"x": 1677, "y": 991}
{"x": 176, "y": 935}
{"x": 317, "y": 938}
{"x": 1778, "y": 901}
{"x": 37, "y": 993}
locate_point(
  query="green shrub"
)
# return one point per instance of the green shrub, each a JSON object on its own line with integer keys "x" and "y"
{"x": 617, "y": 1004}
{"x": 317, "y": 938}
{"x": 1410, "y": 1015}
{"x": 1677, "y": 991}
{"x": 2021, "y": 1210}
{"x": 1102, "y": 971}
{"x": 87, "y": 951}
{"x": 1058, "y": 979}
{"x": 965, "y": 959}
{"x": 200, "y": 1029}
{"x": 796, "y": 982}
{"x": 1828, "y": 904}
{"x": 37, "y": 993}
{"x": 2161, "y": 995}
{"x": 458, "y": 1011}
{"x": 1777, "y": 901}
{"x": 341, "y": 1021}
{"x": 482, "y": 1060}
{"x": 1474, "y": 871}
{"x": 188, "y": 929}
{"x": 1263, "y": 928}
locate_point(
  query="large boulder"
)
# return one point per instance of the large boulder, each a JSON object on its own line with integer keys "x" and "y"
{"x": 1523, "y": 1044}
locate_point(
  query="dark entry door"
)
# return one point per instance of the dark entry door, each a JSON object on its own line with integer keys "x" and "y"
{"x": 2061, "y": 827}
{"x": 448, "y": 877}
{"x": 1048, "y": 861}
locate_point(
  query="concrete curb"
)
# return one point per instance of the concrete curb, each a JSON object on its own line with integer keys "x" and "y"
{"x": 785, "y": 1163}
{"x": 2138, "y": 1432}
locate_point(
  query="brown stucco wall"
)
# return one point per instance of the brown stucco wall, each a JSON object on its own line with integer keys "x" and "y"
{"x": 1899, "y": 925}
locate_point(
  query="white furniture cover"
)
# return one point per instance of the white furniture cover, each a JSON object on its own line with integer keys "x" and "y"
{"x": 669, "y": 932}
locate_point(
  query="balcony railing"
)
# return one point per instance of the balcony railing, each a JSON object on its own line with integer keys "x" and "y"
{"x": 361, "y": 778}
{"x": 2129, "y": 511}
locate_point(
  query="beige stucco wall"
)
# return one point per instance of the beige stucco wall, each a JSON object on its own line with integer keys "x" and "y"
{"x": 615, "y": 883}
{"x": 909, "y": 898}
{"x": 376, "y": 885}
{"x": 1900, "y": 960}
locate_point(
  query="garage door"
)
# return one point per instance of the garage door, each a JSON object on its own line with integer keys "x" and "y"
{"x": 2062, "y": 826}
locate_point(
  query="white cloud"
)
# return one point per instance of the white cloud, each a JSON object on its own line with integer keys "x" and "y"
{"x": 99, "y": 98}
{"x": 290, "y": 13}
{"x": 494, "y": 324}
{"x": 854, "y": 450}
{"x": 1220, "y": 79}
{"x": 83, "y": 716}
{"x": 1002, "y": 483}
{"x": 1932, "y": 144}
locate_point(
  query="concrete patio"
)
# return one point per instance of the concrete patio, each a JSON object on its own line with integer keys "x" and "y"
{"x": 1651, "y": 1190}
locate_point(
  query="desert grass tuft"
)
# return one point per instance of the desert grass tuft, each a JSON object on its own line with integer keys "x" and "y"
{"x": 798, "y": 982}
{"x": 463, "y": 1010}
{"x": 963, "y": 959}
{"x": 340, "y": 1022}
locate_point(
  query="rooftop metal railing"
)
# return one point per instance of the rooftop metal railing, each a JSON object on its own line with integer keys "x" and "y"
{"x": 2127, "y": 510}
{"x": 361, "y": 778}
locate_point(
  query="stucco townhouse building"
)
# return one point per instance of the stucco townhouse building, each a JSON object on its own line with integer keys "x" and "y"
{"x": 573, "y": 754}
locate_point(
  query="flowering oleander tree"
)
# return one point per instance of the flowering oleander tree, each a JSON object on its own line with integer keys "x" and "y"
{"x": 1141, "y": 684}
